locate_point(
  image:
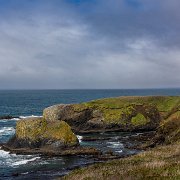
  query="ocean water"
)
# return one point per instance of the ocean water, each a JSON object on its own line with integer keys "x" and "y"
{"x": 32, "y": 102}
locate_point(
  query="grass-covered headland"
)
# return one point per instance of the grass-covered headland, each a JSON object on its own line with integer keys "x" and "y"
{"x": 160, "y": 162}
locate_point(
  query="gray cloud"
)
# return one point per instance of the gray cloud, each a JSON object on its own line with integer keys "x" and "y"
{"x": 104, "y": 44}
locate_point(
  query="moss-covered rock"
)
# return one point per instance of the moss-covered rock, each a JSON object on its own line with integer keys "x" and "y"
{"x": 30, "y": 128}
{"x": 121, "y": 113}
{"x": 37, "y": 132}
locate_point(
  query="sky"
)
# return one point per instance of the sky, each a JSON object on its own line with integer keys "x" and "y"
{"x": 89, "y": 44}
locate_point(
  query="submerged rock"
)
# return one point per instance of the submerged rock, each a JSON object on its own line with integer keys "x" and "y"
{"x": 7, "y": 117}
{"x": 37, "y": 132}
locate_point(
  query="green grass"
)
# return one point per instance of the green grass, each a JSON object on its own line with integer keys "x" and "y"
{"x": 163, "y": 103}
{"x": 121, "y": 110}
{"x": 139, "y": 119}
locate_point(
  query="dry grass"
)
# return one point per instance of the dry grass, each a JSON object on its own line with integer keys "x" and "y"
{"x": 160, "y": 163}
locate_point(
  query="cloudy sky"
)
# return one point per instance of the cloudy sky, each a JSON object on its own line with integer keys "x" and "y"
{"x": 60, "y": 44}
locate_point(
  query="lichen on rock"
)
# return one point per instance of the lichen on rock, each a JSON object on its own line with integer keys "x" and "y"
{"x": 37, "y": 133}
{"x": 31, "y": 128}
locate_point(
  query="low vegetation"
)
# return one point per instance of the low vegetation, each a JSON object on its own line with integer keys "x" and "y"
{"x": 135, "y": 110}
{"x": 160, "y": 163}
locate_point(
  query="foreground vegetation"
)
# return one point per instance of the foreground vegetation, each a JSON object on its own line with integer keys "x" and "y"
{"x": 159, "y": 163}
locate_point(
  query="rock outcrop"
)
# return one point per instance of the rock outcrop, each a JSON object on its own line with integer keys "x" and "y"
{"x": 38, "y": 133}
{"x": 122, "y": 113}
{"x": 52, "y": 133}
{"x": 169, "y": 130}
{"x": 85, "y": 119}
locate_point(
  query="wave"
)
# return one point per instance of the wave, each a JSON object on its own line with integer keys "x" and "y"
{"x": 7, "y": 131}
{"x": 7, "y": 159}
{"x": 7, "y": 120}
{"x": 25, "y": 161}
{"x": 115, "y": 145}
{"x": 24, "y": 117}
{"x": 17, "y": 119}
{"x": 119, "y": 151}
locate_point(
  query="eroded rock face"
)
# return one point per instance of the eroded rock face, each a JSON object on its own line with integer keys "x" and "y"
{"x": 76, "y": 115}
{"x": 37, "y": 133}
{"x": 95, "y": 116}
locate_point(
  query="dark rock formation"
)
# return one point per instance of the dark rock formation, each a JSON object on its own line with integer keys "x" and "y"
{"x": 7, "y": 117}
{"x": 114, "y": 114}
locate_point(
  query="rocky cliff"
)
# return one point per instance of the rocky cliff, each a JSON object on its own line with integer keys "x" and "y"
{"x": 121, "y": 113}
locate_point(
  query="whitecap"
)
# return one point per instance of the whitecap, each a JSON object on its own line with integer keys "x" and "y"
{"x": 115, "y": 144}
{"x": 119, "y": 151}
{"x": 25, "y": 161}
{"x": 32, "y": 116}
{"x": 79, "y": 138}
{"x": 7, "y": 130}
{"x": 13, "y": 160}
{"x": 4, "y": 153}
{"x": 15, "y": 119}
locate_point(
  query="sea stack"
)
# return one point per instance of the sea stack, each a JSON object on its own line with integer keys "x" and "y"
{"x": 39, "y": 133}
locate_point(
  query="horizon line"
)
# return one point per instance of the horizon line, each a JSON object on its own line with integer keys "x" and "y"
{"x": 161, "y": 88}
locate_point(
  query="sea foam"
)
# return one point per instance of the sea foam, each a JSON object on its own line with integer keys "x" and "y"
{"x": 79, "y": 138}
{"x": 8, "y": 159}
{"x": 115, "y": 144}
{"x": 32, "y": 116}
{"x": 6, "y": 131}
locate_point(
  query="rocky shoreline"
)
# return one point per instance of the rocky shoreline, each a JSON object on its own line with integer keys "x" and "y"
{"x": 54, "y": 134}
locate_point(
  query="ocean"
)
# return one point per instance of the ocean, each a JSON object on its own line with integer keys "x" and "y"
{"x": 23, "y": 103}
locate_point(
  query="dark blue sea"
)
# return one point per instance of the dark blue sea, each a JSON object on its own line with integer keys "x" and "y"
{"x": 23, "y": 103}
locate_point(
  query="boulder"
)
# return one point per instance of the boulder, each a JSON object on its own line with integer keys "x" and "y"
{"x": 37, "y": 133}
